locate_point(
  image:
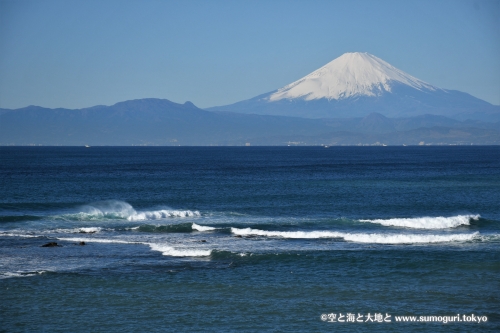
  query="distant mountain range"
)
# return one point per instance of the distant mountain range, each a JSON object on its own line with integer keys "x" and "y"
{"x": 357, "y": 99}
{"x": 144, "y": 122}
{"x": 162, "y": 122}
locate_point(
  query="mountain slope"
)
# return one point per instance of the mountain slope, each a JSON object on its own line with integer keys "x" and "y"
{"x": 350, "y": 75}
{"x": 357, "y": 84}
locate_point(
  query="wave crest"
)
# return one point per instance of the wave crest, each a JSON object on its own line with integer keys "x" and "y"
{"x": 360, "y": 237}
{"x": 198, "y": 227}
{"x": 170, "y": 251}
{"x": 115, "y": 209}
{"x": 161, "y": 214}
{"x": 427, "y": 222}
{"x": 7, "y": 275}
{"x": 166, "y": 250}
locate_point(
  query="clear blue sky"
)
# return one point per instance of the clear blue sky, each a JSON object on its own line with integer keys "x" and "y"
{"x": 77, "y": 54}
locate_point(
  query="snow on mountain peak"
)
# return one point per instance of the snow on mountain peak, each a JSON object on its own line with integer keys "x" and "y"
{"x": 351, "y": 74}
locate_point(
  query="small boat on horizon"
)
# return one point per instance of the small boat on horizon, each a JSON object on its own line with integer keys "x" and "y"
{"x": 87, "y": 146}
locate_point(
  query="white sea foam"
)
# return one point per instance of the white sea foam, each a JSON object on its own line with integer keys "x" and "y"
{"x": 408, "y": 238}
{"x": 167, "y": 250}
{"x": 89, "y": 230}
{"x": 286, "y": 234}
{"x": 198, "y": 227}
{"x": 360, "y": 237}
{"x": 82, "y": 230}
{"x": 134, "y": 228}
{"x": 115, "y": 209}
{"x": 8, "y": 234}
{"x": 105, "y": 209}
{"x": 163, "y": 248}
{"x": 8, "y": 275}
{"x": 161, "y": 214}
{"x": 438, "y": 222}
{"x": 96, "y": 240}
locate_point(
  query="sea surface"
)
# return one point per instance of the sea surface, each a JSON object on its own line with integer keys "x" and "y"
{"x": 249, "y": 239}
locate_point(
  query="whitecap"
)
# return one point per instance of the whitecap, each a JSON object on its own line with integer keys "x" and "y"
{"x": 89, "y": 230}
{"x": 8, "y": 234}
{"x": 8, "y": 275}
{"x": 115, "y": 209}
{"x": 82, "y": 230}
{"x": 167, "y": 250}
{"x": 161, "y": 214}
{"x": 409, "y": 238}
{"x": 163, "y": 248}
{"x": 427, "y": 222}
{"x": 286, "y": 234}
{"x": 96, "y": 240}
{"x": 360, "y": 237}
{"x": 198, "y": 227}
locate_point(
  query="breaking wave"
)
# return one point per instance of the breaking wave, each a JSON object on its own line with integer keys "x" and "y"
{"x": 89, "y": 230}
{"x": 10, "y": 234}
{"x": 172, "y": 228}
{"x": 166, "y": 250}
{"x": 170, "y": 251}
{"x": 114, "y": 209}
{"x": 198, "y": 227}
{"x": 96, "y": 240}
{"x": 427, "y": 222}
{"x": 376, "y": 238}
{"x": 161, "y": 214}
{"x": 8, "y": 275}
{"x": 82, "y": 230}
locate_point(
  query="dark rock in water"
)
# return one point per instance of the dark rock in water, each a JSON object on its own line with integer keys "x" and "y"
{"x": 203, "y": 241}
{"x": 51, "y": 244}
{"x": 238, "y": 236}
{"x": 81, "y": 243}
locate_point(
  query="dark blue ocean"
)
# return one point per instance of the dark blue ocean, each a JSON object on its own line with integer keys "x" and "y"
{"x": 252, "y": 239}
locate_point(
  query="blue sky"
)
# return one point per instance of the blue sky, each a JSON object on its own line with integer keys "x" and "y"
{"x": 76, "y": 54}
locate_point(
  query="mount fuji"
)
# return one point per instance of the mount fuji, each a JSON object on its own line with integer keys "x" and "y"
{"x": 358, "y": 84}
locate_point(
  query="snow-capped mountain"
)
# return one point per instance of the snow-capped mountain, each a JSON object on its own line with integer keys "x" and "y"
{"x": 357, "y": 84}
{"x": 350, "y": 75}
